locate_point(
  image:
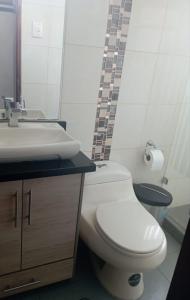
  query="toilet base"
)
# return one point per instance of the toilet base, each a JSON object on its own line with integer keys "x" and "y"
{"x": 118, "y": 282}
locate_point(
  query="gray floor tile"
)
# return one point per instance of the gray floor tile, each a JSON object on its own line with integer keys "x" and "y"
{"x": 168, "y": 266}
{"x": 34, "y": 295}
{"x": 86, "y": 286}
{"x": 172, "y": 244}
{"x": 155, "y": 286}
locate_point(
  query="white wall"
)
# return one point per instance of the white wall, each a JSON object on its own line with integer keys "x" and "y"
{"x": 153, "y": 82}
{"x": 86, "y": 22}
{"x": 156, "y": 69}
{"x": 42, "y": 57}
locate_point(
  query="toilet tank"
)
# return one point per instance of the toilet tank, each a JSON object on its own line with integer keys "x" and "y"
{"x": 110, "y": 182}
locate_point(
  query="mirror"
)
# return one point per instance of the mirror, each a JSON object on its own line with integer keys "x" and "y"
{"x": 31, "y": 58}
{"x": 8, "y": 57}
{"x": 42, "y": 32}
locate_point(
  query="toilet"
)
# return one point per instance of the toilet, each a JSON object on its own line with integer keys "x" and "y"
{"x": 124, "y": 238}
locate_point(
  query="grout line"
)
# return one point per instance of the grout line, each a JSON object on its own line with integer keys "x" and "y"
{"x": 84, "y": 45}
{"x": 165, "y": 277}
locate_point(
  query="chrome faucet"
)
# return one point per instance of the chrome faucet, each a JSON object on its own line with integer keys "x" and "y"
{"x": 13, "y": 110}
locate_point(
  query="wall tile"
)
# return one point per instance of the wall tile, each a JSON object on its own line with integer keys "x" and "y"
{"x": 148, "y": 12}
{"x": 145, "y": 39}
{"x": 86, "y": 22}
{"x": 82, "y": 69}
{"x": 80, "y": 122}
{"x": 56, "y": 26}
{"x": 34, "y": 64}
{"x": 133, "y": 159}
{"x": 31, "y": 93}
{"x": 52, "y": 101}
{"x": 128, "y": 126}
{"x": 127, "y": 157}
{"x": 35, "y": 12}
{"x": 112, "y": 66}
{"x": 54, "y": 65}
{"x": 170, "y": 79}
{"x": 60, "y": 3}
{"x": 137, "y": 77}
{"x": 176, "y": 38}
{"x": 180, "y": 189}
{"x": 160, "y": 124}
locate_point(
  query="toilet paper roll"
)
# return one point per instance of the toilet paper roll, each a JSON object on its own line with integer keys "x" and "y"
{"x": 154, "y": 159}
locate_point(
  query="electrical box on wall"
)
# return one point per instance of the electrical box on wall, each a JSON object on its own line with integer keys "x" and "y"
{"x": 37, "y": 29}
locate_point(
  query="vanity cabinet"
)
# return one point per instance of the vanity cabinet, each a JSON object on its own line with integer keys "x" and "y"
{"x": 38, "y": 231}
{"x": 10, "y": 226}
{"x": 50, "y": 207}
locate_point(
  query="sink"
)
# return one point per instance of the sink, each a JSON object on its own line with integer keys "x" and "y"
{"x": 36, "y": 141}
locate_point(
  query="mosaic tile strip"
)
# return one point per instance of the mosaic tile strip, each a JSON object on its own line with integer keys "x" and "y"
{"x": 113, "y": 57}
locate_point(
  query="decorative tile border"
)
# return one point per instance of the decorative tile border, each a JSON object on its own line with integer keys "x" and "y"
{"x": 114, "y": 51}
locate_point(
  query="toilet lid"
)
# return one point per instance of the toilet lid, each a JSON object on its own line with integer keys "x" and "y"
{"x": 129, "y": 227}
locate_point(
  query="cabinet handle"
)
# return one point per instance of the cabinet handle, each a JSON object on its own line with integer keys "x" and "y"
{"x": 16, "y": 209}
{"x": 29, "y": 206}
{"x": 33, "y": 282}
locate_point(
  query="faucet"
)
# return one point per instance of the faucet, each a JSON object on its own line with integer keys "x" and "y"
{"x": 13, "y": 110}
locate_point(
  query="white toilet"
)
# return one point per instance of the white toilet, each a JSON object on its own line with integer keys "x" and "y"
{"x": 124, "y": 238}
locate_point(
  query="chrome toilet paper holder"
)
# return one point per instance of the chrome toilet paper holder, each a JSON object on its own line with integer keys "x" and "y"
{"x": 149, "y": 145}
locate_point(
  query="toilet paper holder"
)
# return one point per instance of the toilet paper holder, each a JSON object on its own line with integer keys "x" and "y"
{"x": 149, "y": 145}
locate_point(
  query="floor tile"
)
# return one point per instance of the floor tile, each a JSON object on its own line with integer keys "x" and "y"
{"x": 172, "y": 245}
{"x": 33, "y": 295}
{"x": 168, "y": 266}
{"x": 155, "y": 286}
{"x": 85, "y": 286}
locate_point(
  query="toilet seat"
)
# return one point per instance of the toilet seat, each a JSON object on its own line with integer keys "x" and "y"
{"x": 128, "y": 227}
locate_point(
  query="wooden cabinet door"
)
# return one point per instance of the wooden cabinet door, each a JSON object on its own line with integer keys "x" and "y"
{"x": 50, "y": 210}
{"x": 10, "y": 226}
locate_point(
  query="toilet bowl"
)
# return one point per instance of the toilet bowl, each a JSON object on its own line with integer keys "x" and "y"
{"x": 124, "y": 238}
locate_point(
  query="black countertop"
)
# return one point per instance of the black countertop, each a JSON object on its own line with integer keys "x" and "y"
{"x": 36, "y": 169}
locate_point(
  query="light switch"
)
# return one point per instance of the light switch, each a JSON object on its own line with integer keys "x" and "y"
{"x": 37, "y": 29}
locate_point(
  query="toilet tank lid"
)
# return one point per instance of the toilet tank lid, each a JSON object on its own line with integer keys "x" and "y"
{"x": 107, "y": 171}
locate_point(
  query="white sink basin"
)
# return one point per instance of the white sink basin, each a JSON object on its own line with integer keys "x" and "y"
{"x": 36, "y": 141}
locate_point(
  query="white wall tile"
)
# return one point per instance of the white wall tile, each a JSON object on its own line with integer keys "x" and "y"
{"x": 177, "y": 13}
{"x": 35, "y": 12}
{"x": 180, "y": 189}
{"x": 137, "y": 77}
{"x": 56, "y": 27}
{"x": 34, "y": 64}
{"x": 128, "y": 126}
{"x": 127, "y": 157}
{"x": 133, "y": 159}
{"x": 34, "y": 95}
{"x": 148, "y": 12}
{"x": 60, "y": 3}
{"x": 52, "y": 101}
{"x": 170, "y": 79}
{"x": 176, "y": 29}
{"x": 86, "y": 22}
{"x": 160, "y": 124}
{"x": 175, "y": 41}
{"x": 144, "y": 38}
{"x": 80, "y": 122}
{"x": 54, "y": 65}
{"x": 82, "y": 70}
{"x": 52, "y": 18}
